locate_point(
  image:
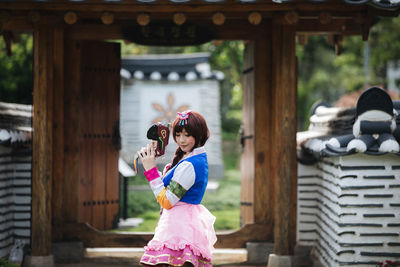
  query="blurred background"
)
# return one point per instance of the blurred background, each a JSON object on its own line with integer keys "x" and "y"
{"x": 335, "y": 75}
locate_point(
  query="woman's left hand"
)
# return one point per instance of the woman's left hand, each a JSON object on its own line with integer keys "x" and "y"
{"x": 148, "y": 157}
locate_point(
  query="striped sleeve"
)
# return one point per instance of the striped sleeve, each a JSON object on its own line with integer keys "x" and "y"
{"x": 183, "y": 179}
{"x": 154, "y": 178}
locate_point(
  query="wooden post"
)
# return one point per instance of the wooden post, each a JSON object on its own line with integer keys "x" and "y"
{"x": 42, "y": 140}
{"x": 58, "y": 137}
{"x": 284, "y": 164}
{"x": 257, "y": 186}
{"x": 247, "y": 138}
{"x": 71, "y": 130}
{"x": 263, "y": 184}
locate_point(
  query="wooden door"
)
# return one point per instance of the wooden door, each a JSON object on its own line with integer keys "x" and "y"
{"x": 247, "y": 138}
{"x": 99, "y": 134}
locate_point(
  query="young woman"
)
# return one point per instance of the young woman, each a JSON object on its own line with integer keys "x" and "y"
{"x": 185, "y": 232}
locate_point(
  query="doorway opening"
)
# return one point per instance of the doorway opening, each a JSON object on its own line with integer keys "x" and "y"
{"x": 157, "y": 82}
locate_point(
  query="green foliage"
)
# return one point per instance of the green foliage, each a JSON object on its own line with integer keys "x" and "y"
{"x": 228, "y": 58}
{"x": 150, "y": 220}
{"x": 6, "y": 263}
{"x": 384, "y": 44}
{"x": 140, "y": 202}
{"x": 227, "y": 195}
{"x": 227, "y": 219}
{"x": 16, "y": 78}
{"x": 315, "y": 80}
{"x": 326, "y": 76}
{"x": 230, "y": 150}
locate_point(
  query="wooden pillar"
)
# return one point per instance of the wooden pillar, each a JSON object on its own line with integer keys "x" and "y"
{"x": 58, "y": 131}
{"x": 42, "y": 140}
{"x": 284, "y": 117}
{"x": 257, "y": 186}
{"x": 263, "y": 184}
{"x": 71, "y": 130}
{"x": 247, "y": 138}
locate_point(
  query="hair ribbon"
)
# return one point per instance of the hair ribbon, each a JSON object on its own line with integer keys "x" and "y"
{"x": 183, "y": 117}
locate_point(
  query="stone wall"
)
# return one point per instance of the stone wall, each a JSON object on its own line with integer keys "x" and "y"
{"x": 349, "y": 209}
{"x": 15, "y": 196}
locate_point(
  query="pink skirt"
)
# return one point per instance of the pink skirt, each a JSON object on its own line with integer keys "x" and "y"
{"x": 185, "y": 233}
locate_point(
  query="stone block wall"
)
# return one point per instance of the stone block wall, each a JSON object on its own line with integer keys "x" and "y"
{"x": 349, "y": 209}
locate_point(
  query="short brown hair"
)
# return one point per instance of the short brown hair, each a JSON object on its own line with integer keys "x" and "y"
{"x": 196, "y": 126}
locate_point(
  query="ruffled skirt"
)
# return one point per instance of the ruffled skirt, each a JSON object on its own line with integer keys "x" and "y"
{"x": 185, "y": 233}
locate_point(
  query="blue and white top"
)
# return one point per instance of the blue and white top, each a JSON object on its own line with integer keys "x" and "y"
{"x": 185, "y": 182}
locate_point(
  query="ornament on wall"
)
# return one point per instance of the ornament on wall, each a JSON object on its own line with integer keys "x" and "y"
{"x": 179, "y": 18}
{"x": 168, "y": 113}
{"x": 255, "y": 18}
{"x": 70, "y": 17}
{"x": 218, "y": 18}
{"x": 107, "y": 18}
{"x": 143, "y": 19}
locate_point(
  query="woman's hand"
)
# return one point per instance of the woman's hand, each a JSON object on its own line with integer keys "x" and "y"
{"x": 147, "y": 156}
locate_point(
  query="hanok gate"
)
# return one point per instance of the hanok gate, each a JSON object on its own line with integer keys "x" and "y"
{"x": 76, "y": 102}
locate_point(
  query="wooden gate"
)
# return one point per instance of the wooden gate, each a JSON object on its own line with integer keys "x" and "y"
{"x": 247, "y": 139}
{"x": 96, "y": 128}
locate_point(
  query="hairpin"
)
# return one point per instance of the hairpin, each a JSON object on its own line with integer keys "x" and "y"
{"x": 183, "y": 116}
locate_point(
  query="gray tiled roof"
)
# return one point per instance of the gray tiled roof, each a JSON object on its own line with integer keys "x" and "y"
{"x": 15, "y": 123}
{"x": 180, "y": 66}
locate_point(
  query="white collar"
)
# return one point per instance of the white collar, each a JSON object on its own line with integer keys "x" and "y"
{"x": 196, "y": 151}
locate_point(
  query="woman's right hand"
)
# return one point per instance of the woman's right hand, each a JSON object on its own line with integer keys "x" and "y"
{"x": 147, "y": 156}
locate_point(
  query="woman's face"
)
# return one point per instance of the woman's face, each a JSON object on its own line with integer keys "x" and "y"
{"x": 185, "y": 141}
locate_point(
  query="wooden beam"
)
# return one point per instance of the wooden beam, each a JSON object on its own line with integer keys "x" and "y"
{"x": 164, "y": 7}
{"x": 255, "y": 232}
{"x": 284, "y": 164}
{"x": 337, "y": 26}
{"x": 234, "y": 30}
{"x": 91, "y": 237}
{"x": 42, "y": 141}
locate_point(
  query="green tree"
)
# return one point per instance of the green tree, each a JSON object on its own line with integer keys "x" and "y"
{"x": 16, "y": 78}
{"x": 326, "y": 76}
{"x": 385, "y": 46}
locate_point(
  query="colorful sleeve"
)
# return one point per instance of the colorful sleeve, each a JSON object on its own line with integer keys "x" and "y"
{"x": 183, "y": 179}
{"x": 154, "y": 178}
